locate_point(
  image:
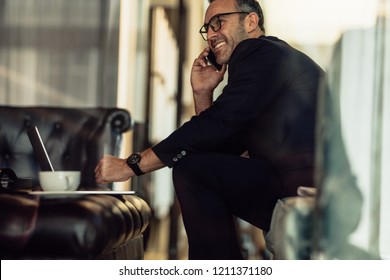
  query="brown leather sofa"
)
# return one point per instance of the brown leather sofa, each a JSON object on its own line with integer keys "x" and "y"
{"x": 67, "y": 227}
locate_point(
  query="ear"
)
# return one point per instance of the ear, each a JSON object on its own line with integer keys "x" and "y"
{"x": 252, "y": 22}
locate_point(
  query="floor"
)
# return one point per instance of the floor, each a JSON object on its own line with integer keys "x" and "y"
{"x": 158, "y": 241}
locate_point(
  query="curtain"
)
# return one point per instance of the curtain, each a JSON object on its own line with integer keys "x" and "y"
{"x": 59, "y": 52}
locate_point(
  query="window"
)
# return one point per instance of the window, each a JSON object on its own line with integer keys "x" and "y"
{"x": 59, "y": 52}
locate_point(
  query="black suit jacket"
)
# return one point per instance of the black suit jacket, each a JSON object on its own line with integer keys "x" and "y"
{"x": 267, "y": 108}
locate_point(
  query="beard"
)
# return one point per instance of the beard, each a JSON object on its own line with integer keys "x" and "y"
{"x": 239, "y": 35}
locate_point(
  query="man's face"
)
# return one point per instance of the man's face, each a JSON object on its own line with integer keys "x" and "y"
{"x": 232, "y": 31}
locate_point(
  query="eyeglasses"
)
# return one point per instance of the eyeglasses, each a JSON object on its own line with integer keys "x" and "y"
{"x": 215, "y": 23}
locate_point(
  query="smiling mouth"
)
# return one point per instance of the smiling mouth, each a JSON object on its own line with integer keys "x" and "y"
{"x": 218, "y": 45}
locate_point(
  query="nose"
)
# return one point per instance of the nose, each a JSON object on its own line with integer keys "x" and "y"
{"x": 211, "y": 34}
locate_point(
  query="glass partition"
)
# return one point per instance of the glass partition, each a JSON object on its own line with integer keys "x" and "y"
{"x": 353, "y": 147}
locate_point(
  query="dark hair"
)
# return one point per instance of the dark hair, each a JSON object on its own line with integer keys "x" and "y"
{"x": 250, "y": 6}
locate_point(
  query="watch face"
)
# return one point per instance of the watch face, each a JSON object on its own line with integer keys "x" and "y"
{"x": 134, "y": 159}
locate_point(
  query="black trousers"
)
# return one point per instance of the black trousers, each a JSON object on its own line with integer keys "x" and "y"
{"x": 212, "y": 189}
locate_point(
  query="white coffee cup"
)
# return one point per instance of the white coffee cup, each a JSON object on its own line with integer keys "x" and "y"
{"x": 59, "y": 180}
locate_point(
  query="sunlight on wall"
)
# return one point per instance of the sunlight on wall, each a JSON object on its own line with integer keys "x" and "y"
{"x": 314, "y": 26}
{"x": 132, "y": 67}
{"x": 317, "y": 21}
{"x": 164, "y": 69}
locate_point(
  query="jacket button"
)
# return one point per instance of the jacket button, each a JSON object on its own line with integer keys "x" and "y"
{"x": 175, "y": 159}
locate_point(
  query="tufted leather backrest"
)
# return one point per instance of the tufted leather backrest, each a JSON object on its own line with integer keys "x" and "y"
{"x": 75, "y": 138}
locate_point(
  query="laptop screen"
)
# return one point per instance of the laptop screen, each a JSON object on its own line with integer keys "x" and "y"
{"x": 39, "y": 149}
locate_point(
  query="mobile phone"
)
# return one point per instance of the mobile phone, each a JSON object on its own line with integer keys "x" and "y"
{"x": 211, "y": 58}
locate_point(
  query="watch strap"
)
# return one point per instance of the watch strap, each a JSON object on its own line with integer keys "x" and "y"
{"x": 137, "y": 171}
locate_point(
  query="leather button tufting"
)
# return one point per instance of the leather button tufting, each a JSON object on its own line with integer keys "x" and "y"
{"x": 27, "y": 123}
{"x": 57, "y": 126}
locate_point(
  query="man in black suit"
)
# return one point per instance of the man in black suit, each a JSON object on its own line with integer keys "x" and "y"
{"x": 266, "y": 111}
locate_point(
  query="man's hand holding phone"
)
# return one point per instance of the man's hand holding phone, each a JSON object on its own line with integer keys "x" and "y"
{"x": 204, "y": 74}
{"x": 204, "y": 79}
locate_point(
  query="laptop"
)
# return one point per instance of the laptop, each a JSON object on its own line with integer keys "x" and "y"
{"x": 46, "y": 165}
{"x": 39, "y": 149}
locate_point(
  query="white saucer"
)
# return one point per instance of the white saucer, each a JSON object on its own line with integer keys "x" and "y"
{"x": 63, "y": 194}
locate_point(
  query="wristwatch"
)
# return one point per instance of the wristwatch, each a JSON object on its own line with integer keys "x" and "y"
{"x": 133, "y": 162}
